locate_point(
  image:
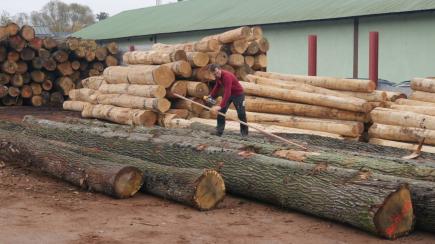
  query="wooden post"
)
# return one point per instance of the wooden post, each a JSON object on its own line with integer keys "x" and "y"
{"x": 312, "y": 55}
{"x": 374, "y": 56}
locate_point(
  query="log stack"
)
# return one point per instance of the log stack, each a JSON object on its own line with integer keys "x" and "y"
{"x": 406, "y": 123}
{"x": 35, "y": 71}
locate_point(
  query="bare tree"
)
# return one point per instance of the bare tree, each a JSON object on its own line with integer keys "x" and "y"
{"x": 5, "y": 18}
{"x": 22, "y": 19}
{"x": 80, "y": 16}
{"x": 102, "y": 16}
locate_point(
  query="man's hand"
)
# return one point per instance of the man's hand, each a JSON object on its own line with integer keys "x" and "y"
{"x": 216, "y": 109}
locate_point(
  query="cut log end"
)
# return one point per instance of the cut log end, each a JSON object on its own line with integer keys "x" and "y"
{"x": 128, "y": 181}
{"x": 164, "y": 76}
{"x": 396, "y": 217}
{"x": 210, "y": 190}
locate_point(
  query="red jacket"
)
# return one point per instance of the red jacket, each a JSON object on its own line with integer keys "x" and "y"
{"x": 231, "y": 85}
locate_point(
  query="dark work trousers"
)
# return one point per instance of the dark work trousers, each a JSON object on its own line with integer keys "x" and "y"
{"x": 239, "y": 103}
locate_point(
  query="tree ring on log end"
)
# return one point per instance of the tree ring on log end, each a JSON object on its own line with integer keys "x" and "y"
{"x": 163, "y": 76}
{"x": 395, "y": 218}
{"x": 127, "y": 182}
{"x": 209, "y": 191}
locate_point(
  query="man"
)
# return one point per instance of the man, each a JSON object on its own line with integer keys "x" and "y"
{"x": 233, "y": 93}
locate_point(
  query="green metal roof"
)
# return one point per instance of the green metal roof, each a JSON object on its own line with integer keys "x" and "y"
{"x": 194, "y": 15}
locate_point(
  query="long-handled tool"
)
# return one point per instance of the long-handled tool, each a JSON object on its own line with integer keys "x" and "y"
{"x": 244, "y": 123}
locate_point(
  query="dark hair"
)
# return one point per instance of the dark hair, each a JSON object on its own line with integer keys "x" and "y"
{"x": 212, "y": 67}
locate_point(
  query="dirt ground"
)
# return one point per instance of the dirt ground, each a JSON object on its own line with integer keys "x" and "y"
{"x": 35, "y": 208}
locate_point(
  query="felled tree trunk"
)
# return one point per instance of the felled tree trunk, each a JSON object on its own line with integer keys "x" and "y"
{"x": 402, "y": 118}
{"x": 422, "y": 96}
{"x": 151, "y": 91}
{"x": 197, "y": 89}
{"x": 140, "y": 74}
{"x": 416, "y": 109}
{"x": 180, "y": 68}
{"x": 110, "y": 178}
{"x": 402, "y": 101}
{"x": 179, "y": 87}
{"x": 372, "y": 202}
{"x": 232, "y": 35}
{"x": 402, "y": 145}
{"x": 154, "y": 57}
{"x": 74, "y": 105}
{"x": 125, "y": 116}
{"x": 93, "y": 82}
{"x": 127, "y": 101}
{"x": 404, "y": 134}
{"x": 424, "y": 85}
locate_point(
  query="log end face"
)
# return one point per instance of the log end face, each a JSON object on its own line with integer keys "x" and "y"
{"x": 396, "y": 216}
{"x": 210, "y": 190}
{"x": 163, "y": 76}
{"x": 127, "y": 182}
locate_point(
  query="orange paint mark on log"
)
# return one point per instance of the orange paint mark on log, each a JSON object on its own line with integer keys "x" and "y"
{"x": 398, "y": 218}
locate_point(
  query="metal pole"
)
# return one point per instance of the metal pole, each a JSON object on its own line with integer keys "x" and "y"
{"x": 374, "y": 57}
{"x": 243, "y": 123}
{"x": 312, "y": 55}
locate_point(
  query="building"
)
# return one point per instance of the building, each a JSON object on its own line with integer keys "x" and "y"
{"x": 406, "y": 32}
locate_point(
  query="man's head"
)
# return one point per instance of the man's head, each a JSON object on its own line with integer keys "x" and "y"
{"x": 216, "y": 70}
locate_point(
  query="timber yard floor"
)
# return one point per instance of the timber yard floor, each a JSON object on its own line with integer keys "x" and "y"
{"x": 35, "y": 208}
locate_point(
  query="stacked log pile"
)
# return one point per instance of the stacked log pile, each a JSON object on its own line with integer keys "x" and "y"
{"x": 406, "y": 123}
{"x": 38, "y": 72}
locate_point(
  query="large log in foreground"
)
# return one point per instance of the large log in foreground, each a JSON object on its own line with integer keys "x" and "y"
{"x": 400, "y": 133}
{"x": 374, "y": 203}
{"x": 402, "y": 118}
{"x": 110, "y": 178}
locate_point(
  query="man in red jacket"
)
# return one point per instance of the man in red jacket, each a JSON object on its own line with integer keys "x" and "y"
{"x": 233, "y": 93}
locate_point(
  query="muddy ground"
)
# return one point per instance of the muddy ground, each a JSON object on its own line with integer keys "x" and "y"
{"x": 35, "y": 208}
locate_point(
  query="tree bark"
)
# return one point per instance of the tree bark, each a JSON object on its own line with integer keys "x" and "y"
{"x": 369, "y": 202}
{"x": 325, "y": 82}
{"x": 403, "y": 145}
{"x": 140, "y": 74}
{"x": 125, "y": 116}
{"x": 113, "y": 179}
{"x": 150, "y": 91}
{"x": 348, "y": 104}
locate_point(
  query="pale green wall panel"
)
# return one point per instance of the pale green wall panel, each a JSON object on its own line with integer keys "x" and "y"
{"x": 289, "y": 47}
{"x": 406, "y": 45}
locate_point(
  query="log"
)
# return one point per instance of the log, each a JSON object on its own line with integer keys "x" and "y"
{"x": 47, "y": 85}
{"x": 90, "y": 55}
{"x": 402, "y": 118}
{"x": 3, "y": 91}
{"x": 197, "y": 59}
{"x": 75, "y": 65}
{"x": 84, "y": 95}
{"x": 253, "y": 48}
{"x": 422, "y": 84}
{"x": 231, "y": 35}
{"x": 4, "y": 78}
{"x": 112, "y": 47}
{"x": 291, "y": 85}
{"x": 375, "y": 96}
{"x": 344, "y": 128}
{"x": 393, "y": 96}
{"x": 3, "y": 33}
{"x": 179, "y": 87}
{"x": 36, "y": 89}
{"x": 45, "y": 98}
{"x": 44, "y": 53}
{"x": 37, "y": 63}
{"x": 403, "y": 134}
{"x": 56, "y": 99}
{"x": 93, "y": 82}
{"x": 219, "y": 58}
{"x": 3, "y": 52}
{"x": 151, "y": 91}
{"x": 250, "y": 61}
{"x": 263, "y": 105}
{"x": 422, "y": 96}
{"x": 26, "y": 91}
{"x": 22, "y": 67}
{"x": 49, "y": 43}
{"x": 403, "y": 145}
{"x": 243, "y": 71}
{"x": 27, "y": 33}
{"x": 356, "y": 105}
{"x": 200, "y": 46}
{"x": 13, "y": 56}
{"x": 17, "y": 80}
{"x": 236, "y": 60}
{"x": 426, "y": 110}
{"x": 94, "y": 72}
{"x": 60, "y": 56}
{"x": 77, "y": 106}
{"x": 17, "y": 43}
{"x": 180, "y": 68}
{"x": 325, "y": 82}
{"x": 197, "y": 89}
{"x": 101, "y": 53}
{"x": 49, "y": 64}
{"x": 263, "y": 45}
{"x": 9, "y": 67}
{"x": 14, "y": 91}
{"x": 203, "y": 74}
{"x": 228, "y": 68}
{"x": 125, "y": 116}
{"x": 312, "y": 186}
{"x": 160, "y": 105}
{"x": 38, "y": 76}
{"x": 183, "y": 104}
{"x": 154, "y": 57}
{"x": 65, "y": 68}
{"x": 180, "y": 113}
{"x": 9, "y": 101}
{"x": 98, "y": 66}
{"x": 65, "y": 85}
{"x": 36, "y": 43}
{"x": 111, "y": 61}
{"x": 402, "y": 101}
{"x": 260, "y": 62}
{"x": 239, "y": 46}
{"x": 37, "y": 101}
{"x": 117, "y": 180}
{"x": 26, "y": 78}
{"x": 12, "y": 29}
{"x": 140, "y": 74}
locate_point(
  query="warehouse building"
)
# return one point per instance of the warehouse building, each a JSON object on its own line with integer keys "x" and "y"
{"x": 406, "y": 32}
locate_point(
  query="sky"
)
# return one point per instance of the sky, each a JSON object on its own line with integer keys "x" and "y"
{"x": 111, "y": 6}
